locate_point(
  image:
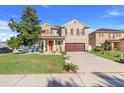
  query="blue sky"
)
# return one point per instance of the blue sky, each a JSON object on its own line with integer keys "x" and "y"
{"x": 94, "y": 16}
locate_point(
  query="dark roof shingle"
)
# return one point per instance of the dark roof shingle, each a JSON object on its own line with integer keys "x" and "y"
{"x": 106, "y": 29}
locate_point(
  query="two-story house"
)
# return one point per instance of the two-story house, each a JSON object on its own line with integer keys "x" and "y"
{"x": 100, "y": 36}
{"x": 72, "y": 36}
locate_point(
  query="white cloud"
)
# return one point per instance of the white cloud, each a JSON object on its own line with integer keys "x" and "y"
{"x": 45, "y": 6}
{"x": 5, "y": 32}
{"x": 6, "y": 35}
{"x": 4, "y": 25}
{"x": 4, "y": 28}
{"x": 115, "y": 11}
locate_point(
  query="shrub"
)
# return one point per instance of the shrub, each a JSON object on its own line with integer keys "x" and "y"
{"x": 117, "y": 55}
{"x": 66, "y": 57}
{"x": 41, "y": 51}
{"x": 97, "y": 48}
{"x": 63, "y": 53}
{"x": 53, "y": 51}
{"x": 13, "y": 43}
{"x": 70, "y": 67}
{"x": 116, "y": 49}
{"x": 106, "y": 46}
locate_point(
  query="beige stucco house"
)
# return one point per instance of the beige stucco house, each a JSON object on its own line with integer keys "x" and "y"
{"x": 72, "y": 36}
{"x": 100, "y": 36}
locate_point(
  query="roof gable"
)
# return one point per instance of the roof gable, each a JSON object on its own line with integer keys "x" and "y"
{"x": 46, "y": 25}
{"x": 74, "y": 21}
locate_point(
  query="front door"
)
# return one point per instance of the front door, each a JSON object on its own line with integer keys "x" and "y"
{"x": 50, "y": 45}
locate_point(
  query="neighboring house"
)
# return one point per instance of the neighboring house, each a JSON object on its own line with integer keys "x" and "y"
{"x": 3, "y": 44}
{"x": 72, "y": 36}
{"x": 114, "y": 37}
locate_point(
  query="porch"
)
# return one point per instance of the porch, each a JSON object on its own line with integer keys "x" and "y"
{"x": 119, "y": 44}
{"x": 52, "y": 44}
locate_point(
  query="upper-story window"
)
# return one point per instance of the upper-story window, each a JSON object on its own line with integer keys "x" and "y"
{"x": 58, "y": 32}
{"x": 68, "y": 31}
{"x": 80, "y": 32}
{"x": 101, "y": 34}
{"x": 49, "y": 32}
{"x": 111, "y": 35}
{"x": 118, "y": 34}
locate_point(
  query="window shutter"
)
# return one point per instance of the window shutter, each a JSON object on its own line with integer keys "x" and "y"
{"x": 71, "y": 31}
{"x": 77, "y": 31}
{"x": 65, "y": 31}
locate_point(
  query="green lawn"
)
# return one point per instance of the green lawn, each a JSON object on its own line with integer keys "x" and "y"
{"x": 30, "y": 63}
{"x": 112, "y": 55}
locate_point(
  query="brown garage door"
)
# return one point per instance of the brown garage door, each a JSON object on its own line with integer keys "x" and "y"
{"x": 74, "y": 47}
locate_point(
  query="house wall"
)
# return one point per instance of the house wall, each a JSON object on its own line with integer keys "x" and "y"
{"x": 101, "y": 40}
{"x": 92, "y": 40}
{"x": 48, "y": 28}
{"x": 76, "y": 38}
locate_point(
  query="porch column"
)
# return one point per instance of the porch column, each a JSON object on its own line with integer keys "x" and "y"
{"x": 54, "y": 45}
{"x": 44, "y": 44}
{"x": 112, "y": 45}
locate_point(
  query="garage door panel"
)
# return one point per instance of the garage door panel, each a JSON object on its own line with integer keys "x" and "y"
{"x": 74, "y": 47}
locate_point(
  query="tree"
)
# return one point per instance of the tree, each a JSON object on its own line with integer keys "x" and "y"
{"x": 28, "y": 28}
{"x": 13, "y": 42}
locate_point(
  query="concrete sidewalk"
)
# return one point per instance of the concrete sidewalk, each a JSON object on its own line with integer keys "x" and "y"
{"x": 63, "y": 80}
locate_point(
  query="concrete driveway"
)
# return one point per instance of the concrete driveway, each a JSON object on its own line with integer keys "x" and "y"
{"x": 90, "y": 63}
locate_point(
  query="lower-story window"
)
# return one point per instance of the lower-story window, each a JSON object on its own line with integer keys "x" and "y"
{"x": 41, "y": 45}
{"x": 59, "y": 42}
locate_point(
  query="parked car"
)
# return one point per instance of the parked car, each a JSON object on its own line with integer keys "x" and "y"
{"x": 122, "y": 58}
{"x": 5, "y": 50}
{"x": 24, "y": 49}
